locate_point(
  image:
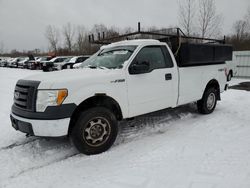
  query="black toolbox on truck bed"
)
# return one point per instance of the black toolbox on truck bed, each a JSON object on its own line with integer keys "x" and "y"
{"x": 195, "y": 54}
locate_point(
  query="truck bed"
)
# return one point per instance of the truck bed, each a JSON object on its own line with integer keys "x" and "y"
{"x": 192, "y": 79}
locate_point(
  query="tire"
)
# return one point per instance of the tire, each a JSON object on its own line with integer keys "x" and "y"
{"x": 50, "y": 69}
{"x": 208, "y": 102}
{"x": 229, "y": 76}
{"x": 95, "y": 131}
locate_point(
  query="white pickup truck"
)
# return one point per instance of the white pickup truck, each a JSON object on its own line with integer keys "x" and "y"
{"x": 122, "y": 80}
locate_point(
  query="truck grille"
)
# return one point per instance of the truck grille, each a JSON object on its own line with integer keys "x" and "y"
{"x": 25, "y": 94}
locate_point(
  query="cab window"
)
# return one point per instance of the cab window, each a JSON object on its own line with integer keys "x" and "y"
{"x": 155, "y": 56}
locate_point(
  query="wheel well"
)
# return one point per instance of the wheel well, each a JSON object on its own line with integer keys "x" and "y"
{"x": 214, "y": 84}
{"x": 95, "y": 101}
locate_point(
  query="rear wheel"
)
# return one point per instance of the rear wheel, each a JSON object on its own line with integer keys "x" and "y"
{"x": 95, "y": 131}
{"x": 208, "y": 102}
{"x": 229, "y": 76}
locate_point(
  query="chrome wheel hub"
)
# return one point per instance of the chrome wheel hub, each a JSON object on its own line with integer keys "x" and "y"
{"x": 97, "y": 131}
{"x": 211, "y": 101}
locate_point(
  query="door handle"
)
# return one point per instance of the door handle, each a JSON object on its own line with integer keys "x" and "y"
{"x": 168, "y": 76}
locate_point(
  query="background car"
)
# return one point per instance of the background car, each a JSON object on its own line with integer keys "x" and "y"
{"x": 22, "y": 61}
{"x": 35, "y": 64}
{"x": 48, "y": 65}
{"x": 58, "y": 65}
{"x": 73, "y": 61}
{"x": 13, "y": 63}
{"x": 42, "y": 59}
{"x": 3, "y": 62}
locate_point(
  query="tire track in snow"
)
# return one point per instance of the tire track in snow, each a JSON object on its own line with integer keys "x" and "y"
{"x": 153, "y": 123}
{"x": 25, "y": 157}
{"x": 47, "y": 164}
{"x": 16, "y": 144}
{"x": 19, "y": 158}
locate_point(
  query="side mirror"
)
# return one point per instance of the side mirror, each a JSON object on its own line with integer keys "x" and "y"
{"x": 139, "y": 68}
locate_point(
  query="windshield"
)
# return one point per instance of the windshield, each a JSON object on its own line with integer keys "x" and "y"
{"x": 53, "y": 59}
{"x": 24, "y": 58}
{"x": 111, "y": 58}
{"x": 73, "y": 60}
{"x": 67, "y": 60}
{"x": 58, "y": 59}
{"x": 42, "y": 59}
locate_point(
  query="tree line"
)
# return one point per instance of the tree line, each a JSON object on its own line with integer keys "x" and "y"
{"x": 241, "y": 29}
{"x": 196, "y": 18}
{"x": 200, "y": 18}
{"x": 74, "y": 39}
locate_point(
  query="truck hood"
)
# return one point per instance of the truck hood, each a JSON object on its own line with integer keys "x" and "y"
{"x": 86, "y": 75}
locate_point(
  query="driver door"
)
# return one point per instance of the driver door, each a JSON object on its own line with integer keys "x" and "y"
{"x": 155, "y": 89}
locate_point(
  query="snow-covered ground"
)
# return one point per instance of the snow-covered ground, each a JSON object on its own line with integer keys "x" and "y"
{"x": 176, "y": 148}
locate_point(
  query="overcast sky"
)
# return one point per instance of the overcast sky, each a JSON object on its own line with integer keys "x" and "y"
{"x": 23, "y": 22}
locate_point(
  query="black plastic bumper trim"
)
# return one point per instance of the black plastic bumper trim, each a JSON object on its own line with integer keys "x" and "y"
{"x": 51, "y": 112}
{"x": 22, "y": 126}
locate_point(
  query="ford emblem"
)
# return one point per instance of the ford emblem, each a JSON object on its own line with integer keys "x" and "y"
{"x": 16, "y": 95}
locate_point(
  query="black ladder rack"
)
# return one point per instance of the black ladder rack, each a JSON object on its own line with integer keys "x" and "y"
{"x": 170, "y": 34}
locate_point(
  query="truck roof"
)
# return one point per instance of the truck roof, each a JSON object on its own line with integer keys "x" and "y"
{"x": 133, "y": 42}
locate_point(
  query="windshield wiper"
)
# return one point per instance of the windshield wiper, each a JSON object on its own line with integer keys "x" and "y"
{"x": 95, "y": 67}
{"x": 91, "y": 66}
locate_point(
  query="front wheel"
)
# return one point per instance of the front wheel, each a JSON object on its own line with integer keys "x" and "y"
{"x": 50, "y": 69}
{"x": 208, "y": 102}
{"x": 95, "y": 131}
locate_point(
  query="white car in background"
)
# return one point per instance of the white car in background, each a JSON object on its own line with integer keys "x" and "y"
{"x": 13, "y": 63}
{"x": 78, "y": 64}
{"x": 3, "y": 61}
{"x": 48, "y": 66}
{"x": 58, "y": 65}
{"x": 70, "y": 62}
{"x": 22, "y": 61}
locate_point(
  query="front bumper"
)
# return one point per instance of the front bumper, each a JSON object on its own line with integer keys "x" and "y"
{"x": 57, "y": 67}
{"x": 46, "y": 128}
{"x": 53, "y": 122}
{"x": 51, "y": 113}
{"x": 46, "y": 66}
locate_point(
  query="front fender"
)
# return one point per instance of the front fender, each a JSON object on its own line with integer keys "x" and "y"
{"x": 118, "y": 93}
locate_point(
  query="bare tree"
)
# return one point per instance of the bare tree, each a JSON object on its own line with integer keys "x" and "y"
{"x": 186, "y": 15}
{"x": 82, "y": 44}
{"x": 112, "y": 32}
{"x": 240, "y": 29}
{"x": 127, "y": 30}
{"x": 98, "y": 29}
{"x": 53, "y": 35}
{"x": 2, "y": 49}
{"x": 68, "y": 32}
{"x": 209, "y": 22}
{"x": 241, "y": 33}
{"x": 247, "y": 18}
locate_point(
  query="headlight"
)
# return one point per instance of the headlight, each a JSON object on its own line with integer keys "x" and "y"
{"x": 47, "y": 98}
